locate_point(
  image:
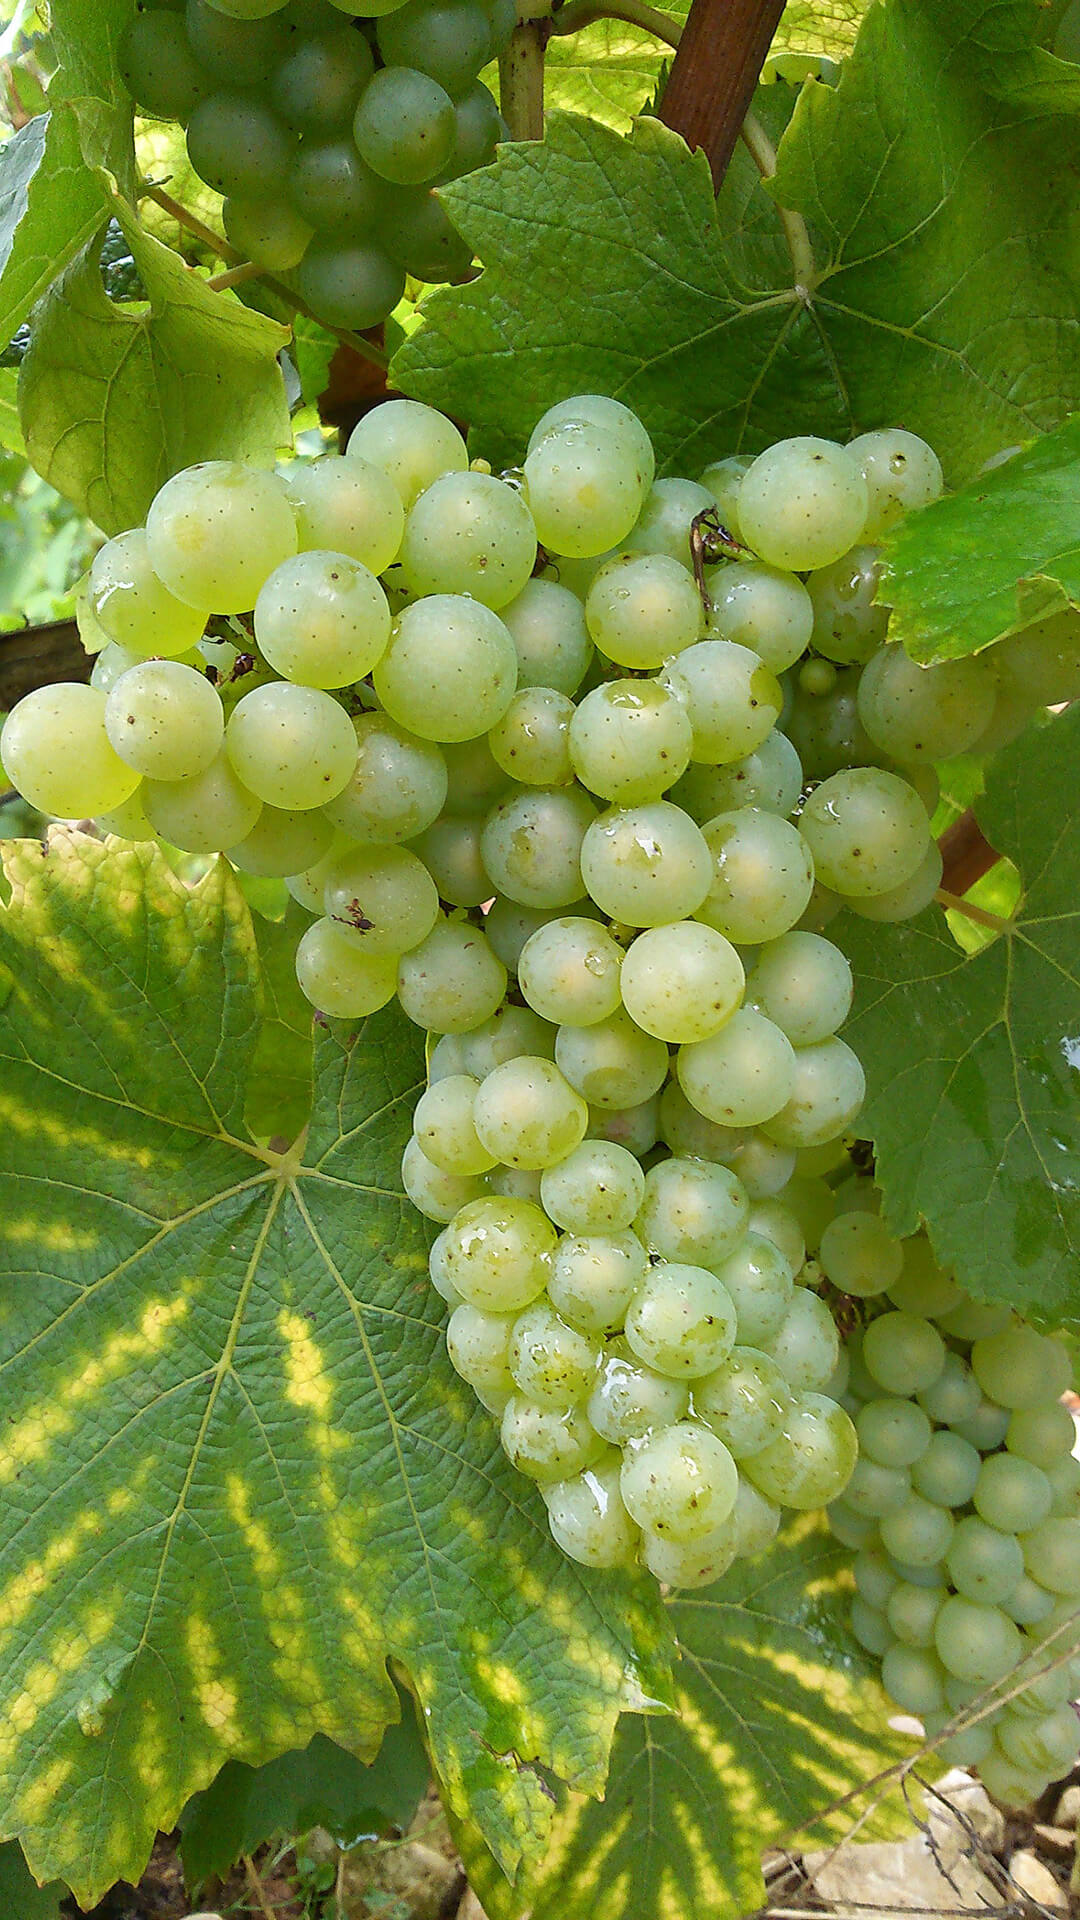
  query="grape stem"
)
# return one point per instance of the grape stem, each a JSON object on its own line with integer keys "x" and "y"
{"x": 219, "y": 245}
{"x": 521, "y": 73}
{"x": 763, "y": 154}
{"x": 235, "y": 277}
{"x": 956, "y": 904}
{"x": 576, "y": 14}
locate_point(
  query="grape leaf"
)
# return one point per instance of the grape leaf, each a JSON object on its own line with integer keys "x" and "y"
{"x": 10, "y": 430}
{"x": 279, "y": 1084}
{"x": 609, "y": 69}
{"x": 945, "y": 272}
{"x": 318, "y": 1786}
{"x": 238, "y": 1472}
{"x": 20, "y": 1895}
{"x": 983, "y": 562}
{"x": 50, "y": 206}
{"x": 86, "y": 37}
{"x": 778, "y": 1717}
{"x": 115, "y": 397}
{"x": 973, "y": 1063}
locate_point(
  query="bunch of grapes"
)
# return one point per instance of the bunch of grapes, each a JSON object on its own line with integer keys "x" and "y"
{"x": 964, "y": 1507}
{"x": 327, "y": 129}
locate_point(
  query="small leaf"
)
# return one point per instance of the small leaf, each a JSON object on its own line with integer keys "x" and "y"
{"x": 778, "y": 1716}
{"x": 86, "y": 36}
{"x": 320, "y": 1786}
{"x": 50, "y": 206}
{"x": 983, "y": 562}
{"x": 973, "y": 1064}
{"x": 238, "y": 1473}
{"x": 115, "y": 398}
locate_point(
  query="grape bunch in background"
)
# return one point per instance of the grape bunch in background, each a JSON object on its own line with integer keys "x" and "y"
{"x": 525, "y": 775}
{"x": 964, "y": 1507}
{"x": 326, "y": 128}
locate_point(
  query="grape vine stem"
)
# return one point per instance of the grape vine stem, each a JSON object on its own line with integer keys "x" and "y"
{"x": 577, "y": 14}
{"x": 763, "y": 154}
{"x": 521, "y": 71}
{"x": 219, "y": 245}
{"x": 956, "y": 904}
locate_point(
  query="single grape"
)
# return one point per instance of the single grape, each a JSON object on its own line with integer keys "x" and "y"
{"x": 498, "y": 1251}
{"x": 553, "y": 1364}
{"x": 594, "y": 1277}
{"x": 870, "y": 1628}
{"x": 904, "y": 1354}
{"x": 764, "y": 1168}
{"x": 665, "y": 520}
{"x": 975, "y": 1642}
{"x": 269, "y": 232}
{"x": 281, "y": 843}
{"x": 507, "y": 1034}
{"x": 411, "y": 443}
{"x": 585, "y": 489}
{"x": 242, "y": 53}
{"x": 1052, "y": 1554}
{"x": 641, "y": 608}
{"x": 694, "y": 1563}
{"x": 681, "y": 982}
{"x": 452, "y": 981}
{"x": 1044, "y": 1435}
{"x": 723, "y": 479}
{"x": 343, "y": 979}
{"x": 205, "y": 814}
{"x": 547, "y": 625}
{"x": 528, "y": 1115}
{"x": 1020, "y": 1367}
{"x": 849, "y": 625}
{"x": 914, "y": 1678}
{"x": 294, "y": 747}
{"x": 875, "y": 1576}
{"x": 922, "y": 713}
{"x": 404, "y": 125}
{"x": 322, "y": 619}
{"x": 893, "y": 1432}
{"x": 975, "y": 1319}
{"x": 859, "y": 1254}
{"x": 762, "y": 608}
{"x": 475, "y": 780}
{"x": 346, "y": 506}
{"x": 55, "y": 750}
{"x": 1011, "y": 1493}
{"x": 316, "y": 87}
{"x": 128, "y": 821}
{"x": 827, "y": 1092}
{"x": 569, "y": 972}
{"x": 924, "y": 1288}
{"x": 443, "y": 1124}
{"x": 760, "y": 1281}
{"x": 636, "y": 1127}
{"x": 744, "y": 1401}
{"x": 811, "y": 1460}
{"x": 611, "y": 416}
{"x": 383, "y": 899}
{"x": 742, "y": 1075}
{"x": 509, "y": 926}
{"x": 469, "y": 533}
{"x": 681, "y": 1321}
{"x": 901, "y": 473}
{"x": 397, "y": 787}
{"x": 984, "y": 1563}
{"x": 679, "y": 1482}
{"x": 687, "y": 1132}
{"x": 986, "y": 1427}
{"x": 533, "y": 845}
{"x": 587, "y": 1517}
{"x": 437, "y": 1195}
{"x": 647, "y": 865}
{"x": 763, "y": 876}
{"x": 239, "y": 146}
{"x": 732, "y": 699}
{"x": 158, "y": 67}
{"x": 131, "y": 604}
{"x": 450, "y": 850}
{"x": 803, "y": 503}
{"x": 596, "y": 1189}
{"x": 806, "y": 1345}
{"x": 351, "y": 283}
{"x": 332, "y": 190}
{"x": 548, "y": 1443}
{"x": 417, "y": 232}
{"x": 214, "y": 533}
{"x": 449, "y": 40}
{"x": 532, "y": 740}
{"x": 917, "y": 1534}
{"x": 478, "y": 126}
{"x": 692, "y": 1213}
{"x": 1042, "y": 660}
{"x": 770, "y": 778}
{"x": 877, "y": 1490}
{"x": 630, "y": 1400}
{"x": 612, "y": 1063}
{"x": 867, "y": 830}
{"x": 629, "y": 740}
{"x": 449, "y": 671}
{"x": 478, "y": 1344}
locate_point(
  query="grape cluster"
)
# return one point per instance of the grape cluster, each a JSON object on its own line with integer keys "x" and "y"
{"x": 327, "y": 131}
{"x": 964, "y": 1507}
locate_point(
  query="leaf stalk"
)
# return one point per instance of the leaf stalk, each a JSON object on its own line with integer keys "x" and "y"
{"x": 576, "y": 14}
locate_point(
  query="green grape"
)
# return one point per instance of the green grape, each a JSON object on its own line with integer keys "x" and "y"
{"x": 533, "y": 845}
{"x": 240, "y": 53}
{"x": 1064, "y": 1481}
{"x": 867, "y": 830}
{"x": 827, "y": 731}
{"x": 901, "y": 473}
{"x": 547, "y": 625}
{"x": 986, "y": 1427}
{"x": 214, "y": 533}
{"x": 444, "y": 1126}
{"x": 507, "y": 1034}
{"x": 760, "y": 1281}
{"x": 332, "y": 190}
{"x": 757, "y": 1520}
{"x": 448, "y": 673}
{"x": 316, "y": 87}
{"x": 438, "y": 1275}
{"x": 594, "y": 1277}
{"x": 469, "y": 533}
{"x": 128, "y": 821}
{"x": 1044, "y": 1435}
{"x": 954, "y": 1396}
{"x": 452, "y": 981}
{"x": 498, "y": 1251}
{"x": 1052, "y": 1554}
{"x": 827, "y": 1092}
{"x": 924, "y": 1288}
{"x": 630, "y": 1400}
{"x": 692, "y": 1213}
{"x": 205, "y": 814}
{"x": 269, "y": 232}
{"x": 532, "y": 740}
{"x": 874, "y": 1575}
{"x": 569, "y": 972}
{"x": 763, "y": 876}
{"x": 975, "y": 1320}
{"x": 158, "y": 67}
{"x": 914, "y": 1679}
{"x": 478, "y": 1344}
{"x": 55, "y": 750}
{"x": 248, "y": 9}
{"x": 519, "y": 1183}
{"x": 281, "y": 843}
{"x": 870, "y": 1628}
{"x": 976, "y": 1642}
{"x": 877, "y": 1490}
{"x": 1020, "y": 1368}
{"x": 449, "y": 40}
{"x": 904, "y": 1354}
{"x": 723, "y": 479}
{"x": 681, "y": 982}
{"x": 383, "y": 898}
{"x": 770, "y": 778}
{"x": 848, "y": 623}
{"x": 411, "y": 443}
{"x": 762, "y": 608}
{"x": 687, "y": 1132}
{"x": 636, "y": 1127}
{"x": 641, "y": 608}
{"x": 528, "y": 1115}
{"x": 647, "y": 865}
{"x": 595, "y": 1190}
{"x": 343, "y": 979}
{"x": 681, "y": 1321}
{"x": 397, "y": 787}
{"x": 803, "y": 503}
{"x": 351, "y": 284}
{"x": 1012, "y": 1786}
{"x": 131, "y": 604}
{"x": 984, "y": 1563}
{"x": 238, "y": 146}
{"x": 346, "y": 506}
{"x": 912, "y": 1613}
{"x": 417, "y": 232}
{"x": 612, "y": 1063}
{"x": 665, "y": 520}
{"x": 917, "y": 1534}
{"x": 475, "y": 780}
{"x": 450, "y": 850}
{"x": 611, "y": 416}
{"x": 553, "y": 1364}
{"x": 764, "y": 1168}
{"x": 744, "y": 1401}
{"x": 294, "y": 747}
{"x": 629, "y": 741}
{"x": 893, "y": 1432}
{"x": 860, "y": 1255}
{"x": 811, "y": 1201}
{"x": 404, "y": 126}
{"x": 853, "y": 1530}
{"x": 437, "y": 1195}
{"x": 732, "y": 699}
{"x": 478, "y": 128}
{"x": 588, "y": 1520}
{"x": 695, "y": 1563}
{"x": 1043, "y": 660}
{"x": 680, "y": 1482}
{"x": 742, "y": 1075}
{"x": 322, "y": 620}
{"x": 920, "y": 713}
{"x": 548, "y": 1443}
{"x": 811, "y": 1460}
{"x": 509, "y": 926}
{"x": 585, "y": 489}
{"x": 779, "y": 1223}
{"x": 803, "y": 984}
{"x": 1047, "y": 1744}
{"x": 1011, "y": 1493}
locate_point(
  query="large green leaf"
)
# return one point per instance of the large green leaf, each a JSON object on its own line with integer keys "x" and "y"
{"x": 238, "y": 1473}
{"x": 86, "y": 37}
{"x": 50, "y": 205}
{"x": 944, "y": 291}
{"x": 973, "y": 1064}
{"x": 1002, "y": 552}
{"x": 318, "y": 1786}
{"x": 114, "y": 398}
{"x": 778, "y": 1716}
